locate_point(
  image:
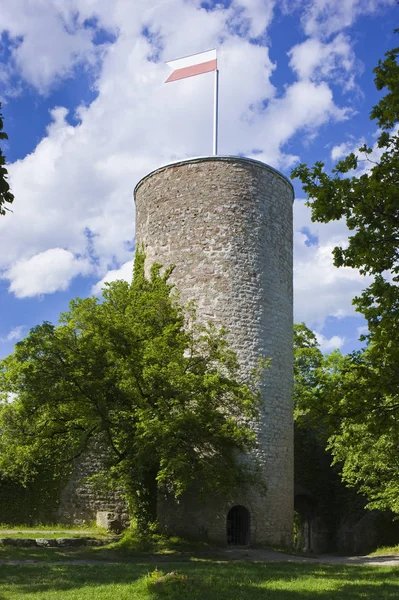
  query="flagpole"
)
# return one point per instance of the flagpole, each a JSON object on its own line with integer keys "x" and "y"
{"x": 215, "y": 114}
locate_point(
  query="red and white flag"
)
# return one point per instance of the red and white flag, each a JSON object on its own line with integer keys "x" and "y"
{"x": 196, "y": 64}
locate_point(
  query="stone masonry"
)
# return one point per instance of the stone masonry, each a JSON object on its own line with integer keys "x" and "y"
{"x": 81, "y": 503}
{"x": 226, "y": 223}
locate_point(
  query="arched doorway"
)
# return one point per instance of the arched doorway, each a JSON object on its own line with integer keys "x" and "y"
{"x": 237, "y": 526}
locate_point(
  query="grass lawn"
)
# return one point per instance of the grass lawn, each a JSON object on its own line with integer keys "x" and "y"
{"x": 128, "y": 548}
{"x": 198, "y": 579}
{"x": 50, "y": 531}
{"x": 384, "y": 550}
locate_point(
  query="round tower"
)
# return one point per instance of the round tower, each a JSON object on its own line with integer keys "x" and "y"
{"x": 226, "y": 223}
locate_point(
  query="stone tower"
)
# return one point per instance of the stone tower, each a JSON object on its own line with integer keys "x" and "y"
{"x": 226, "y": 223}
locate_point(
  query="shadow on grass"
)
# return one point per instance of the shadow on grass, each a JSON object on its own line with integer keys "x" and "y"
{"x": 205, "y": 580}
{"x": 39, "y": 579}
{"x": 256, "y": 581}
{"x": 52, "y": 554}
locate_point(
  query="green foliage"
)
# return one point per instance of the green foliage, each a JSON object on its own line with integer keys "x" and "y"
{"x": 136, "y": 542}
{"x": 5, "y": 194}
{"x": 386, "y": 112}
{"x": 342, "y": 404}
{"x": 298, "y": 530}
{"x": 165, "y": 396}
{"x": 37, "y": 502}
{"x": 317, "y": 385}
{"x": 357, "y": 397}
{"x": 308, "y": 362}
{"x": 366, "y": 441}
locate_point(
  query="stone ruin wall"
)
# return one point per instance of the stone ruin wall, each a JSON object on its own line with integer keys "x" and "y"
{"x": 226, "y": 223}
{"x": 81, "y": 503}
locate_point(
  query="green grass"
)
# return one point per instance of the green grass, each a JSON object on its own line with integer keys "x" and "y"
{"x": 129, "y": 547}
{"x": 50, "y": 527}
{"x": 386, "y": 550}
{"x": 10, "y": 553}
{"x": 50, "y": 531}
{"x": 198, "y": 580}
{"x": 23, "y": 533}
{"x": 133, "y": 543}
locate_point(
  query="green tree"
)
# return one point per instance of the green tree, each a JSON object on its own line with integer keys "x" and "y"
{"x": 317, "y": 383}
{"x": 366, "y": 440}
{"x": 308, "y": 362}
{"x": 367, "y": 200}
{"x": 6, "y": 197}
{"x": 361, "y": 411}
{"x": 166, "y": 399}
{"x": 350, "y": 405}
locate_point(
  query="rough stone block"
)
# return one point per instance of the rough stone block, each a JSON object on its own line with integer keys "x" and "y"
{"x": 46, "y": 542}
{"x": 18, "y": 542}
{"x": 71, "y": 542}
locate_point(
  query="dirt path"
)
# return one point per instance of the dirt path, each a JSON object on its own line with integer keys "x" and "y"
{"x": 273, "y": 556}
{"x": 234, "y": 554}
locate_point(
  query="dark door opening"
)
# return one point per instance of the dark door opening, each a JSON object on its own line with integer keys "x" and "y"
{"x": 238, "y": 526}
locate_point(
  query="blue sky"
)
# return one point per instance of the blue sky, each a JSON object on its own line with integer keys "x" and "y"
{"x": 88, "y": 114}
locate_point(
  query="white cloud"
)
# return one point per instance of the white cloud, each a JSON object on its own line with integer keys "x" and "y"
{"x": 124, "y": 272}
{"x": 322, "y": 18}
{"x": 47, "y": 43}
{"x": 329, "y": 344}
{"x": 321, "y": 290}
{"x": 74, "y": 190}
{"x": 14, "y": 334}
{"x": 342, "y": 150}
{"x": 45, "y": 273}
{"x": 304, "y": 107}
{"x": 317, "y": 61}
{"x": 259, "y": 14}
{"x": 365, "y": 162}
{"x": 363, "y": 330}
